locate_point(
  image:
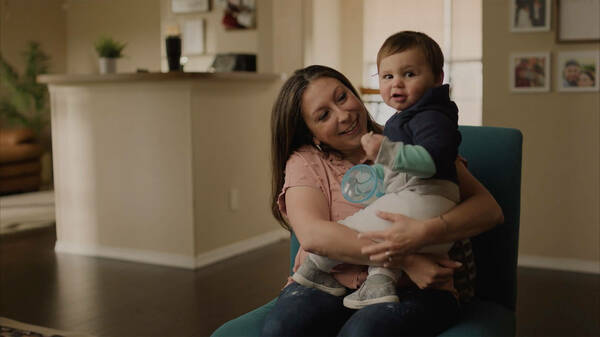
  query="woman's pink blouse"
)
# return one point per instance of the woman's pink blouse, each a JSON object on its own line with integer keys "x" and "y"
{"x": 309, "y": 167}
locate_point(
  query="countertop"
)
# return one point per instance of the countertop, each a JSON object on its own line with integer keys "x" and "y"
{"x": 170, "y": 76}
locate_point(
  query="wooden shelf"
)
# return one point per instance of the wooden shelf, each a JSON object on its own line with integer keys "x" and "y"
{"x": 368, "y": 91}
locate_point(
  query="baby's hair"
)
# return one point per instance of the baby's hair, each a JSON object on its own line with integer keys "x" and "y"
{"x": 405, "y": 40}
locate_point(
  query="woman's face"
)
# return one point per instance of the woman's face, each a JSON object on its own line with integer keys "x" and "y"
{"x": 334, "y": 115}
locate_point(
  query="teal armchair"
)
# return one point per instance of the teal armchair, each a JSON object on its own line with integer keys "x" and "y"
{"x": 494, "y": 157}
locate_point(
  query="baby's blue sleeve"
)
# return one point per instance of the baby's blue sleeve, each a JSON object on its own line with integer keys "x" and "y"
{"x": 400, "y": 157}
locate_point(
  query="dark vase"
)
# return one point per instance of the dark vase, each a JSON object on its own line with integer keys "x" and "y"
{"x": 173, "y": 44}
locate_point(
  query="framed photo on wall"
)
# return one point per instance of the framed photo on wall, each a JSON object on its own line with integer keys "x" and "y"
{"x": 189, "y": 6}
{"x": 529, "y": 72}
{"x": 578, "y": 21}
{"x": 238, "y": 14}
{"x": 193, "y": 37}
{"x": 578, "y": 71}
{"x": 529, "y": 15}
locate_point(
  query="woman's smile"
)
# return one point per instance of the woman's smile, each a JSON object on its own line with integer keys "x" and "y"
{"x": 353, "y": 129}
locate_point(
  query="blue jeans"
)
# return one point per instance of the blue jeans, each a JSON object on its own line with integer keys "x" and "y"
{"x": 301, "y": 311}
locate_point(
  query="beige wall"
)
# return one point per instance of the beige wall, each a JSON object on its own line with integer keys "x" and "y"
{"x": 351, "y": 36}
{"x": 561, "y": 173}
{"x": 43, "y": 21}
{"x": 217, "y": 38}
{"x": 264, "y": 13}
{"x": 238, "y": 164}
{"x": 136, "y": 22}
{"x": 288, "y": 41}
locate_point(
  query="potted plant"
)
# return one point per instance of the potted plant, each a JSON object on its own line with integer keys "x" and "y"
{"x": 109, "y": 51}
{"x": 24, "y": 120}
{"x": 25, "y": 103}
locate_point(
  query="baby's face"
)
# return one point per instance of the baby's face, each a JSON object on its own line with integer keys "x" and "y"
{"x": 404, "y": 77}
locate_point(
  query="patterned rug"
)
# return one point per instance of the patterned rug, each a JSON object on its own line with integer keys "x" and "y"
{"x": 12, "y": 328}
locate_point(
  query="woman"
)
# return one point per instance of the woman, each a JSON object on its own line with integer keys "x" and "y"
{"x": 317, "y": 122}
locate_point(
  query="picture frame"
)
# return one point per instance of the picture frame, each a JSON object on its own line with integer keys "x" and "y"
{"x": 189, "y": 6}
{"x": 578, "y": 71}
{"x": 529, "y": 15}
{"x": 238, "y": 14}
{"x": 578, "y": 21}
{"x": 529, "y": 72}
{"x": 193, "y": 37}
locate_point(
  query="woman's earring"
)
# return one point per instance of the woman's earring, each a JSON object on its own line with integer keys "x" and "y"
{"x": 319, "y": 147}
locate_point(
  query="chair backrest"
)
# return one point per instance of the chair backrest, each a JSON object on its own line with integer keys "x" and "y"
{"x": 494, "y": 158}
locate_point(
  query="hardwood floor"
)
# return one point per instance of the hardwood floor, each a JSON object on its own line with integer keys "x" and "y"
{"x": 557, "y": 303}
{"x": 106, "y": 297}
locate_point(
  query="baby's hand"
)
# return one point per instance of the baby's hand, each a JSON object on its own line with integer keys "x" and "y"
{"x": 371, "y": 143}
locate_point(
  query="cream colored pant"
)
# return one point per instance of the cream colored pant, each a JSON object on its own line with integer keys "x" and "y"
{"x": 408, "y": 202}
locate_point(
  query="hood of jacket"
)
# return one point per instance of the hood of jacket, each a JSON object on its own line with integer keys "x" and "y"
{"x": 437, "y": 98}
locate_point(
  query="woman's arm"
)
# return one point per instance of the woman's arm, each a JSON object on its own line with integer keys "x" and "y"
{"x": 308, "y": 214}
{"x": 476, "y": 213}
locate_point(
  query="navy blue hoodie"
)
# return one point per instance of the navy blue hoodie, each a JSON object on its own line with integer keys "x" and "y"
{"x": 432, "y": 122}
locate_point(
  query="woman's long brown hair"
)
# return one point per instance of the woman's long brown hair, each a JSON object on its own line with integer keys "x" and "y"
{"x": 288, "y": 129}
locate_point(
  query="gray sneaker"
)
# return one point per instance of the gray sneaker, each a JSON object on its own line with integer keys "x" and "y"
{"x": 377, "y": 288}
{"x": 310, "y": 276}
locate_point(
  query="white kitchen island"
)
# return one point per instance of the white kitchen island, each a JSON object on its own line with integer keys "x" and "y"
{"x": 163, "y": 168}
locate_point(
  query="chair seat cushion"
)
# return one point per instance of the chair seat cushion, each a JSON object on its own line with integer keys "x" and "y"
{"x": 249, "y": 324}
{"x": 479, "y": 318}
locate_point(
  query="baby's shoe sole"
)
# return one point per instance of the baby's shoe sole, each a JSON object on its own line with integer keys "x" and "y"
{"x": 307, "y": 283}
{"x": 358, "y": 304}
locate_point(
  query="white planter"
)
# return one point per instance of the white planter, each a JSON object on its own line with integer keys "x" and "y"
{"x": 107, "y": 65}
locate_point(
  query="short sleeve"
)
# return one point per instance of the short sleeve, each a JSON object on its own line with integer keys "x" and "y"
{"x": 301, "y": 169}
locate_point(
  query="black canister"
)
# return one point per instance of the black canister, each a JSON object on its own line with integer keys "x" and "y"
{"x": 173, "y": 44}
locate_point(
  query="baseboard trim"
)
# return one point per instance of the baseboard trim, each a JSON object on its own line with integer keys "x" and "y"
{"x": 174, "y": 260}
{"x": 126, "y": 254}
{"x": 241, "y": 247}
{"x": 559, "y": 263}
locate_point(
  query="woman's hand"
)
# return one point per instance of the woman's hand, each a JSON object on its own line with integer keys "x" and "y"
{"x": 426, "y": 270}
{"x": 405, "y": 236}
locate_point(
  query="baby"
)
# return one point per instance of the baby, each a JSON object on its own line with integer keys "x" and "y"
{"x": 415, "y": 158}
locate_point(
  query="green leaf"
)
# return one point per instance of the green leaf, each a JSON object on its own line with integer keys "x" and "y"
{"x": 25, "y": 101}
{"x": 10, "y": 113}
{"x": 107, "y": 47}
